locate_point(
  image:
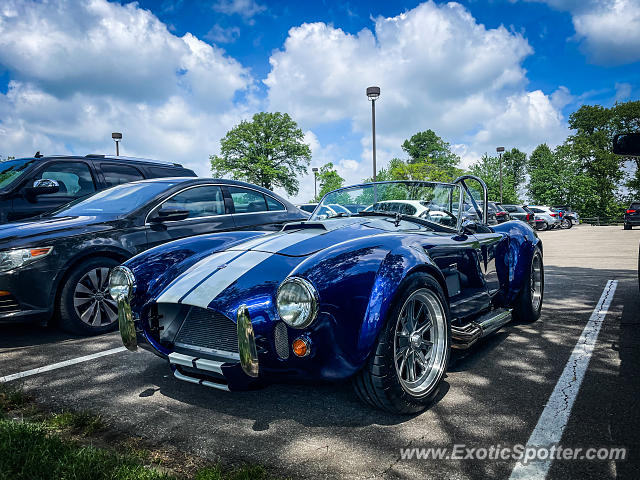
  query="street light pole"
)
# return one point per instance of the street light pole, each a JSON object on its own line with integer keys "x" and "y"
{"x": 373, "y": 93}
{"x": 500, "y": 150}
{"x": 117, "y": 137}
{"x": 315, "y": 183}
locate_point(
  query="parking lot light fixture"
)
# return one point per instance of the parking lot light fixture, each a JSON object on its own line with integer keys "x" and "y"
{"x": 315, "y": 183}
{"x": 117, "y": 137}
{"x": 500, "y": 150}
{"x": 373, "y": 93}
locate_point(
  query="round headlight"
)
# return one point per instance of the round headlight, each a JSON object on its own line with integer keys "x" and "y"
{"x": 121, "y": 283}
{"x": 297, "y": 302}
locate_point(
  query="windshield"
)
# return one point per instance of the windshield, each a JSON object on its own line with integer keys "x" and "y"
{"x": 117, "y": 200}
{"x": 434, "y": 202}
{"x": 10, "y": 170}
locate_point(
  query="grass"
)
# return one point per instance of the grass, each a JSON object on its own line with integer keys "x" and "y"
{"x": 61, "y": 446}
{"x": 12, "y": 398}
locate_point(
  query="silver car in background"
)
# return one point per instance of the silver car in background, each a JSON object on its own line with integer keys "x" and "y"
{"x": 546, "y": 217}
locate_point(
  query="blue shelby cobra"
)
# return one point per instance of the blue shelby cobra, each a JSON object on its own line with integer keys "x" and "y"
{"x": 378, "y": 290}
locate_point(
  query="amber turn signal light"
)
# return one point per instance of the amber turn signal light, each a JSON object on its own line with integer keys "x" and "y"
{"x": 300, "y": 347}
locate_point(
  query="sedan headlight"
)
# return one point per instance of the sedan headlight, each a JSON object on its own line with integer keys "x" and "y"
{"x": 121, "y": 283}
{"x": 297, "y": 302}
{"x": 10, "y": 259}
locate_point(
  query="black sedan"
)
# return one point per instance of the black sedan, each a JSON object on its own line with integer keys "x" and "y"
{"x": 60, "y": 263}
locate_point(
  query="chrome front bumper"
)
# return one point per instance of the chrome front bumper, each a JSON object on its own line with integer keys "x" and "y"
{"x": 246, "y": 347}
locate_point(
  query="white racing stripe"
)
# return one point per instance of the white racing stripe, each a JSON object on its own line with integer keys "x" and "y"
{"x": 194, "y": 275}
{"x": 55, "y": 366}
{"x": 555, "y": 416}
{"x": 223, "y": 278}
{"x": 205, "y": 280}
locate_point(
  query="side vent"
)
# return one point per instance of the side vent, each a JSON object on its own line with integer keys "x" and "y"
{"x": 281, "y": 338}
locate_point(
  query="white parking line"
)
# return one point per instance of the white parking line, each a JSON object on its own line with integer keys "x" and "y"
{"x": 555, "y": 415}
{"x": 55, "y": 366}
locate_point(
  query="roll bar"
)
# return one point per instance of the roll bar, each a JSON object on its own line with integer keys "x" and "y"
{"x": 485, "y": 194}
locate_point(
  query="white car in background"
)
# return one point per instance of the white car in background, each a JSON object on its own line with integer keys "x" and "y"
{"x": 546, "y": 217}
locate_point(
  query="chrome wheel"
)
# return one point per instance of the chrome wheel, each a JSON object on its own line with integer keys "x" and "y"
{"x": 420, "y": 342}
{"x": 536, "y": 282}
{"x": 91, "y": 299}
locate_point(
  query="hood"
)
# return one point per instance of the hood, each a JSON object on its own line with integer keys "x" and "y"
{"x": 251, "y": 270}
{"x": 28, "y": 230}
{"x": 306, "y": 238}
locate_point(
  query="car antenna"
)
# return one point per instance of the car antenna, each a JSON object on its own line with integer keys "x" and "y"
{"x": 38, "y": 154}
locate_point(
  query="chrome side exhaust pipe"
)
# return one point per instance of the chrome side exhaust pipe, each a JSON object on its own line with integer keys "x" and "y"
{"x": 467, "y": 335}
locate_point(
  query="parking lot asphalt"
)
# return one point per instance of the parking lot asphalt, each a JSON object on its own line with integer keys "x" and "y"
{"x": 494, "y": 394}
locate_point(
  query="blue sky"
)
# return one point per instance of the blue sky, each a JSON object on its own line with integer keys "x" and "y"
{"x": 175, "y": 76}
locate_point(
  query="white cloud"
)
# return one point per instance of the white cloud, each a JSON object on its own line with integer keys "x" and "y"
{"x": 437, "y": 68}
{"x": 82, "y": 69}
{"x": 609, "y": 29}
{"x": 245, "y": 8}
{"x": 623, "y": 91}
{"x": 218, "y": 34}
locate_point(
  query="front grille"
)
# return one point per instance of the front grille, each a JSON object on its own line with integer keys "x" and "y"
{"x": 207, "y": 329}
{"x": 8, "y": 304}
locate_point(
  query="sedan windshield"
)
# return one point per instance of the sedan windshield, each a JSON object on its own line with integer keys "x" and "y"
{"x": 433, "y": 202}
{"x": 118, "y": 200}
{"x": 10, "y": 170}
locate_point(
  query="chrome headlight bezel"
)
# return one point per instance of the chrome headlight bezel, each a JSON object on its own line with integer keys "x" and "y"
{"x": 19, "y": 257}
{"x": 312, "y": 297}
{"x": 123, "y": 290}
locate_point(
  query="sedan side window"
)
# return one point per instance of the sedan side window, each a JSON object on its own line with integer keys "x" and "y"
{"x": 119, "y": 174}
{"x": 273, "y": 204}
{"x": 74, "y": 178}
{"x": 202, "y": 201}
{"x": 247, "y": 201}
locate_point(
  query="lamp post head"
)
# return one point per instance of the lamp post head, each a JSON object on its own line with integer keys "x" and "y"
{"x": 116, "y": 136}
{"x": 500, "y": 149}
{"x": 373, "y": 93}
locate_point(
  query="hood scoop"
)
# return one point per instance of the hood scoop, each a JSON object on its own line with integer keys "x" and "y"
{"x": 304, "y": 226}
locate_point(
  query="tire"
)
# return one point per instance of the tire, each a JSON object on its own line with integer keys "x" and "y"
{"x": 528, "y": 304}
{"x": 542, "y": 225}
{"x": 566, "y": 224}
{"x": 85, "y": 288}
{"x": 627, "y": 226}
{"x": 385, "y": 381}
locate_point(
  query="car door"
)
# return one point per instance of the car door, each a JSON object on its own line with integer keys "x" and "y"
{"x": 75, "y": 180}
{"x": 253, "y": 210}
{"x": 207, "y": 213}
{"x": 459, "y": 257}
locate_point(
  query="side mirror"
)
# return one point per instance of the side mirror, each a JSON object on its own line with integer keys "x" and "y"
{"x": 627, "y": 144}
{"x": 169, "y": 215}
{"x": 43, "y": 186}
{"x": 469, "y": 226}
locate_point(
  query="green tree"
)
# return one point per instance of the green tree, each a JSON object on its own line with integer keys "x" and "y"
{"x": 558, "y": 178}
{"x": 430, "y": 148}
{"x": 268, "y": 151}
{"x": 488, "y": 169}
{"x": 591, "y": 146}
{"x": 399, "y": 169}
{"x": 514, "y": 162}
{"x": 329, "y": 180}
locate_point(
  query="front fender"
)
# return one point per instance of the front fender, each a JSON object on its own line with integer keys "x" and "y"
{"x": 396, "y": 267}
